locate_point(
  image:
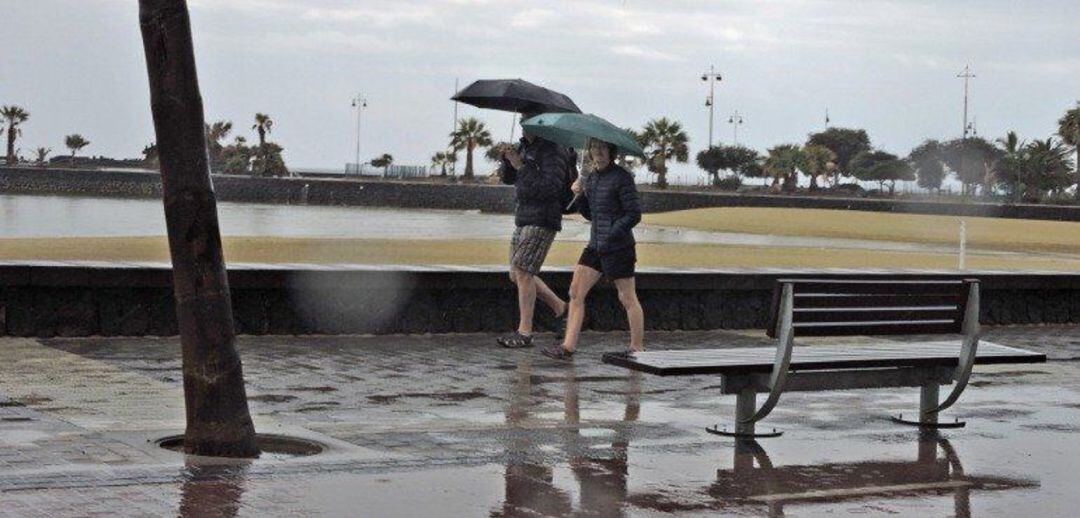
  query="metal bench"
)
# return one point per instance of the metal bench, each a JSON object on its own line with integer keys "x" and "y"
{"x": 813, "y": 307}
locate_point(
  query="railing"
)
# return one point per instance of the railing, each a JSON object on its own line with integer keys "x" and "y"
{"x": 394, "y": 171}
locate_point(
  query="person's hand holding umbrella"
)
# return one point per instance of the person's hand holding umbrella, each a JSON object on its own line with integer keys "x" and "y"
{"x": 514, "y": 157}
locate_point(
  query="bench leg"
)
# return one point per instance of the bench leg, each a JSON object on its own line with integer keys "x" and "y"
{"x": 745, "y": 405}
{"x": 929, "y": 397}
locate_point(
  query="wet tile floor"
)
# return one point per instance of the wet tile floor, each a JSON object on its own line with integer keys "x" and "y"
{"x": 453, "y": 426}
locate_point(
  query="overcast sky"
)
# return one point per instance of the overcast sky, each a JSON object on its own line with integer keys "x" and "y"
{"x": 887, "y": 66}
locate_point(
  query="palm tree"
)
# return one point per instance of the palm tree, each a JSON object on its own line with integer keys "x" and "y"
{"x": 664, "y": 140}
{"x": 818, "y": 160}
{"x": 14, "y": 115}
{"x": 1047, "y": 164}
{"x": 626, "y": 161}
{"x": 384, "y": 161}
{"x": 263, "y": 123}
{"x": 1013, "y": 164}
{"x": 218, "y": 131}
{"x": 215, "y": 134}
{"x": 470, "y": 134}
{"x": 783, "y": 164}
{"x": 1069, "y": 131}
{"x": 442, "y": 160}
{"x": 75, "y": 142}
{"x": 42, "y": 154}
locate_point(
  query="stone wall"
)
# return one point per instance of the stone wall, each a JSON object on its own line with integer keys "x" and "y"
{"x": 134, "y": 300}
{"x": 484, "y": 197}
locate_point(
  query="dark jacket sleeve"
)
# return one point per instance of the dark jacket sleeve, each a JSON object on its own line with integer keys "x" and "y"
{"x": 542, "y": 179}
{"x": 507, "y": 173}
{"x": 628, "y": 198}
{"x": 583, "y": 204}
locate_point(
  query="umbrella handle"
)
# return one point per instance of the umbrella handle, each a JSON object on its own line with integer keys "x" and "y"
{"x": 573, "y": 201}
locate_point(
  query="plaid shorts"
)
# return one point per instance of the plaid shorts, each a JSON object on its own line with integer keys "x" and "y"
{"x": 529, "y": 247}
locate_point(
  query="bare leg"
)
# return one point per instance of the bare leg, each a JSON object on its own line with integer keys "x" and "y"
{"x": 549, "y": 297}
{"x": 584, "y": 280}
{"x": 526, "y": 288}
{"x": 628, "y": 297}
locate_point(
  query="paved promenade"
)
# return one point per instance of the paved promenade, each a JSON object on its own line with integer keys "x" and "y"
{"x": 453, "y": 426}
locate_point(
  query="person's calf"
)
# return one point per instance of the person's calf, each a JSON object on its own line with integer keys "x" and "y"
{"x": 526, "y": 288}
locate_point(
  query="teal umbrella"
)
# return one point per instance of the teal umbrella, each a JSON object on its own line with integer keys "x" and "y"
{"x": 574, "y": 130}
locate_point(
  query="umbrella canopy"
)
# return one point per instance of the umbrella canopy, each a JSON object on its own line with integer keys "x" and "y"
{"x": 515, "y": 95}
{"x": 574, "y": 130}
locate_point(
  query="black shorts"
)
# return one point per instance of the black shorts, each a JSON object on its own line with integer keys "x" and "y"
{"x": 615, "y": 265}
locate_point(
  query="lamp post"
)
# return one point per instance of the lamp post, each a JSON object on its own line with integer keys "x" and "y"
{"x": 358, "y": 102}
{"x": 735, "y": 120}
{"x": 966, "y": 75}
{"x": 712, "y": 76}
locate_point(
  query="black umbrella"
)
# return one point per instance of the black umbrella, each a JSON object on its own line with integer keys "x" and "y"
{"x": 515, "y": 95}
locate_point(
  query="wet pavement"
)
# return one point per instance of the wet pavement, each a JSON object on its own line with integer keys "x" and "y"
{"x": 453, "y": 426}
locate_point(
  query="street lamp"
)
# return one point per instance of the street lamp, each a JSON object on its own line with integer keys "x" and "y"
{"x": 735, "y": 120}
{"x": 358, "y": 102}
{"x": 712, "y": 76}
{"x": 966, "y": 75}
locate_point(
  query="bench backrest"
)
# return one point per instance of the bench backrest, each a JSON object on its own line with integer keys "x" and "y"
{"x": 873, "y": 307}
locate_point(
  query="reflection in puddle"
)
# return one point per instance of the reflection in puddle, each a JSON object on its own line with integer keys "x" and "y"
{"x": 600, "y": 472}
{"x": 599, "y": 461}
{"x": 212, "y": 489}
{"x": 754, "y": 480}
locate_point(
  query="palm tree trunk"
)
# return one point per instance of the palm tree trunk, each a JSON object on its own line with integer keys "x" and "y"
{"x": 468, "y": 161}
{"x": 11, "y": 144}
{"x": 661, "y": 169}
{"x": 218, "y": 420}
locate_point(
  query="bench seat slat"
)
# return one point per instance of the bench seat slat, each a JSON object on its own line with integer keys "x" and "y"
{"x": 808, "y": 358}
{"x": 869, "y": 315}
{"x": 910, "y": 327}
{"x": 870, "y": 301}
{"x": 920, "y": 287}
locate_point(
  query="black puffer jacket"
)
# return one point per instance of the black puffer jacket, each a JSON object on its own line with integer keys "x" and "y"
{"x": 610, "y": 202}
{"x": 539, "y": 184}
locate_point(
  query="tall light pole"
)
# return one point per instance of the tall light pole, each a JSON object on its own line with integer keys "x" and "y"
{"x": 453, "y": 152}
{"x": 966, "y": 75}
{"x": 735, "y": 120}
{"x": 358, "y": 102}
{"x": 712, "y": 76}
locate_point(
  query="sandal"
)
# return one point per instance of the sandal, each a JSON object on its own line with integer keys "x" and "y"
{"x": 515, "y": 341}
{"x": 557, "y": 352}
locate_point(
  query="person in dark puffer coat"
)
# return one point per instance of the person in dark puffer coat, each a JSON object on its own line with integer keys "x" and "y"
{"x": 609, "y": 200}
{"x": 539, "y": 171}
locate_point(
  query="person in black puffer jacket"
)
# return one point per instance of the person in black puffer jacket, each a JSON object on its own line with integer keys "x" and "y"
{"x": 609, "y": 200}
{"x": 539, "y": 170}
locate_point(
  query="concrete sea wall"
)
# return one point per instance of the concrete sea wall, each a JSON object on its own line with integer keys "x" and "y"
{"x": 57, "y": 299}
{"x": 488, "y": 198}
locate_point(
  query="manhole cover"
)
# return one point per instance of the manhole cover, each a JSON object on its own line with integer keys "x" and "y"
{"x": 272, "y": 446}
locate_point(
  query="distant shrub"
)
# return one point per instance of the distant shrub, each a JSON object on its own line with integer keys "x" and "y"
{"x": 850, "y": 189}
{"x": 728, "y": 183}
